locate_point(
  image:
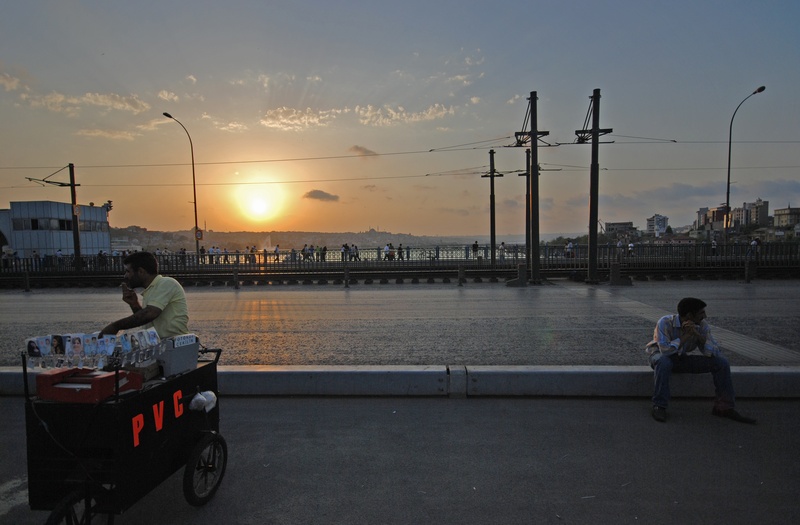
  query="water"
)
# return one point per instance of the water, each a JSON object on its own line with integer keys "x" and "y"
{"x": 441, "y": 324}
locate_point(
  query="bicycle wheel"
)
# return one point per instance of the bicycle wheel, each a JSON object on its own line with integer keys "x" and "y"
{"x": 77, "y": 509}
{"x": 205, "y": 469}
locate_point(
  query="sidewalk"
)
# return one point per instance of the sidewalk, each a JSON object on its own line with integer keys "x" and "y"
{"x": 329, "y": 460}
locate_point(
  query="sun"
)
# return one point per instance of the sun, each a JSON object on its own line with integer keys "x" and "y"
{"x": 258, "y": 207}
{"x": 259, "y": 204}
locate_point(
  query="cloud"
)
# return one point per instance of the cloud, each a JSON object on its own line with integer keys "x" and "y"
{"x": 370, "y": 187}
{"x": 263, "y": 80}
{"x": 471, "y": 61}
{"x": 321, "y": 196}
{"x": 279, "y": 80}
{"x": 290, "y": 119}
{"x": 114, "y": 101}
{"x": 192, "y": 79}
{"x": 460, "y": 79}
{"x": 387, "y": 116}
{"x": 169, "y": 96}
{"x": 362, "y": 151}
{"x": 106, "y": 134}
{"x": 56, "y": 102}
{"x": 233, "y": 127}
{"x": 8, "y": 82}
{"x": 152, "y": 124}
{"x": 513, "y": 99}
{"x": 475, "y": 100}
{"x": 60, "y": 103}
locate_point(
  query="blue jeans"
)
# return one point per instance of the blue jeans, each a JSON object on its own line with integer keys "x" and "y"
{"x": 719, "y": 368}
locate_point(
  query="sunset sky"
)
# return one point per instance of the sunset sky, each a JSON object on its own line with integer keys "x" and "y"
{"x": 349, "y": 115}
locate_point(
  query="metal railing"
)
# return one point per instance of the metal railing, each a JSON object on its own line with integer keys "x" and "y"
{"x": 554, "y": 260}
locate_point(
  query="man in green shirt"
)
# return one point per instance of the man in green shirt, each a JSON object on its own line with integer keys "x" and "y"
{"x": 164, "y": 301}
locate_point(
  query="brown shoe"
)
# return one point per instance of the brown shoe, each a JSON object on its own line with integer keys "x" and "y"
{"x": 734, "y": 415}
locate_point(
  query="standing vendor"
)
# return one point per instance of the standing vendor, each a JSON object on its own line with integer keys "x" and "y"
{"x": 164, "y": 301}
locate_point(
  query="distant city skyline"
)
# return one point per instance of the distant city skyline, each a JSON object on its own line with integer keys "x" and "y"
{"x": 320, "y": 117}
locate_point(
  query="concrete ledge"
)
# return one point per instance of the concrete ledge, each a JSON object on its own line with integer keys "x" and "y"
{"x": 624, "y": 381}
{"x": 333, "y": 380}
{"x": 474, "y": 381}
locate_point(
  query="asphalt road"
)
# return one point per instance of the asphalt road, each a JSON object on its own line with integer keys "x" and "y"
{"x": 473, "y": 461}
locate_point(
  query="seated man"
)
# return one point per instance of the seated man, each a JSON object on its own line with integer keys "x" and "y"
{"x": 164, "y": 301}
{"x": 674, "y": 338}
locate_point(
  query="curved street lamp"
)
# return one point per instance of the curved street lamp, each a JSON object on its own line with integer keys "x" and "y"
{"x": 194, "y": 190}
{"x": 726, "y": 224}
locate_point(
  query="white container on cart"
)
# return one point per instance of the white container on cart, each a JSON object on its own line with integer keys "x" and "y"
{"x": 179, "y": 354}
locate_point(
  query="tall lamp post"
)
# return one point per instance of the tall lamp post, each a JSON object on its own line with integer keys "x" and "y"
{"x": 726, "y": 224}
{"x": 197, "y": 233}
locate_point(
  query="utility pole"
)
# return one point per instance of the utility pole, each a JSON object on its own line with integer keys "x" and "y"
{"x": 493, "y": 239}
{"x": 527, "y": 176}
{"x": 593, "y": 134}
{"x": 532, "y": 215}
{"x": 76, "y": 211}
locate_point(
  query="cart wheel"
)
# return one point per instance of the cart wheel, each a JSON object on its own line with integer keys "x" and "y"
{"x": 205, "y": 469}
{"x": 75, "y": 509}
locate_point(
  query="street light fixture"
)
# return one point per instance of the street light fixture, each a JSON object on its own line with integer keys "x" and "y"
{"x": 197, "y": 233}
{"x": 726, "y": 223}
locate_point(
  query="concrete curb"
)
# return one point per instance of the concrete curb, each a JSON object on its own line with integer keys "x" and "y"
{"x": 471, "y": 381}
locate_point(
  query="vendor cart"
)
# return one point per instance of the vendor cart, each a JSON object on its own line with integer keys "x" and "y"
{"x": 86, "y": 460}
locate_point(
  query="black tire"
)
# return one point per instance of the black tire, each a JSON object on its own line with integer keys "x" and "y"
{"x": 76, "y": 510}
{"x": 205, "y": 469}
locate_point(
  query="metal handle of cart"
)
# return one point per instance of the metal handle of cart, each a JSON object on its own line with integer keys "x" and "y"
{"x": 215, "y": 351}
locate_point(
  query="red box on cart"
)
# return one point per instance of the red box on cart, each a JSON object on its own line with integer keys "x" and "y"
{"x": 81, "y": 385}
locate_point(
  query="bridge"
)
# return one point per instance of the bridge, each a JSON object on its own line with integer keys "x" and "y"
{"x": 424, "y": 264}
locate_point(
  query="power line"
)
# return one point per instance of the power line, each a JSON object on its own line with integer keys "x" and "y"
{"x": 478, "y": 170}
{"x": 446, "y": 149}
{"x": 457, "y": 147}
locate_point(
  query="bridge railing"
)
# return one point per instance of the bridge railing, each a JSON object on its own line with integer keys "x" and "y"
{"x": 643, "y": 257}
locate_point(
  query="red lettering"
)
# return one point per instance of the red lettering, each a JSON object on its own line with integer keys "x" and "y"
{"x": 158, "y": 415}
{"x": 176, "y": 399}
{"x": 138, "y": 425}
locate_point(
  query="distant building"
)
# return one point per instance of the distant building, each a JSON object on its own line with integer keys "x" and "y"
{"x": 46, "y": 227}
{"x": 702, "y": 219}
{"x": 657, "y": 225}
{"x": 709, "y": 221}
{"x": 751, "y": 214}
{"x": 787, "y": 217}
{"x": 619, "y": 228}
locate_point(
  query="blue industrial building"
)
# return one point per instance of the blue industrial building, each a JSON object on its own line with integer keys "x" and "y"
{"x": 46, "y": 228}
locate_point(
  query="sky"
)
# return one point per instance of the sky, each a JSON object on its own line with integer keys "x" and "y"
{"x": 340, "y": 116}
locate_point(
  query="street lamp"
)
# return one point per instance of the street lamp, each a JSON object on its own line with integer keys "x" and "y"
{"x": 726, "y": 223}
{"x": 197, "y": 233}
